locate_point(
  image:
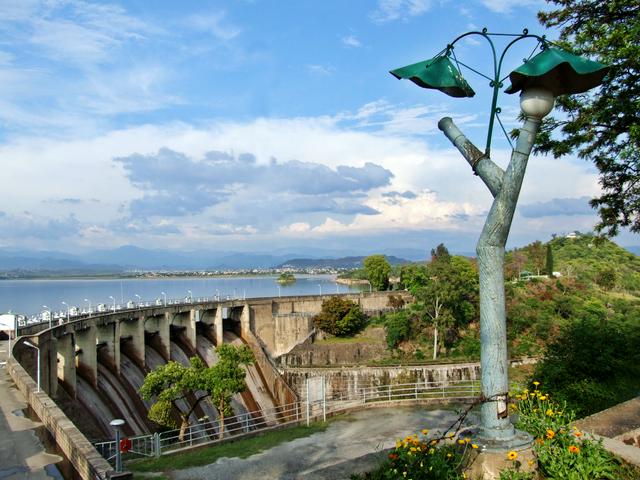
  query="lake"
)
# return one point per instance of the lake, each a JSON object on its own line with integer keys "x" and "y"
{"x": 28, "y": 296}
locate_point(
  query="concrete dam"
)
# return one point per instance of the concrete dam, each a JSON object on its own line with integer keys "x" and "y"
{"x": 97, "y": 364}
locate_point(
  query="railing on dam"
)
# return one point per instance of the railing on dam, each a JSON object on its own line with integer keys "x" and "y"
{"x": 306, "y": 410}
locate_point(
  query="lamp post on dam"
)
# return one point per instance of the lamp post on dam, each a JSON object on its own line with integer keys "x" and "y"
{"x": 540, "y": 79}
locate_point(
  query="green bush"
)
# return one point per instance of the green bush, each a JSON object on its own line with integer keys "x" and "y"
{"x": 340, "y": 316}
{"x": 593, "y": 365}
{"x": 398, "y": 327}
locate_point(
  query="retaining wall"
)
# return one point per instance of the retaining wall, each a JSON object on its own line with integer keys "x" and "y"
{"x": 81, "y": 453}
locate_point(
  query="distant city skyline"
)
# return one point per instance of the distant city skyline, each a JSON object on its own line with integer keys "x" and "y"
{"x": 253, "y": 125}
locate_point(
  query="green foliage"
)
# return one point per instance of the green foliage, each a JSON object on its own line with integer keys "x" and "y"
{"x": 413, "y": 276}
{"x": 398, "y": 327}
{"x": 286, "y": 278}
{"x": 173, "y": 381}
{"x": 549, "y": 261}
{"x": 593, "y": 364}
{"x": 340, "y": 316}
{"x": 603, "y": 126}
{"x": 377, "y": 270}
{"x": 606, "y": 278}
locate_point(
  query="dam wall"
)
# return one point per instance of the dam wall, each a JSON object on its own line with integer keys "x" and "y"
{"x": 99, "y": 360}
{"x": 348, "y": 382}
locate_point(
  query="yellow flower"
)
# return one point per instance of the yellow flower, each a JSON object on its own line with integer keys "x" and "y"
{"x": 431, "y": 451}
{"x": 550, "y": 434}
{"x": 425, "y": 431}
{"x": 467, "y": 440}
{"x": 577, "y": 433}
{"x": 474, "y": 446}
{"x": 536, "y": 383}
{"x": 413, "y": 449}
{"x": 574, "y": 449}
{"x": 433, "y": 442}
{"x": 512, "y": 455}
{"x": 398, "y": 443}
{"x": 543, "y": 397}
{"x": 449, "y": 455}
{"x": 460, "y": 441}
{"x": 450, "y": 434}
{"x": 549, "y": 412}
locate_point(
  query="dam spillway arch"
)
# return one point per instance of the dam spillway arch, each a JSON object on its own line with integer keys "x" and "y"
{"x": 96, "y": 363}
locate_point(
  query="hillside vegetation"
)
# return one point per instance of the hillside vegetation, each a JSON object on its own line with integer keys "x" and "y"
{"x": 583, "y": 321}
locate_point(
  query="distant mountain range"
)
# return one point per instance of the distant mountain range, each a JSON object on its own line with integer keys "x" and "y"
{"x": 129, "y": 258}
{"x": 344, "y": 262}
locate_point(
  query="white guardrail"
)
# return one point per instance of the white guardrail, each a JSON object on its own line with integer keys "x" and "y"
{"x": 314, "y": 407}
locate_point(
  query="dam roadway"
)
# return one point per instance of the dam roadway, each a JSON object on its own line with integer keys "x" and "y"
{"x": 22, "y": 454}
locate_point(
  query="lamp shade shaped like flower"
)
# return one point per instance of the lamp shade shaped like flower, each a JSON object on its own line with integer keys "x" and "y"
{"x": 558, "y": 71}
{"x": 438, "y": 73}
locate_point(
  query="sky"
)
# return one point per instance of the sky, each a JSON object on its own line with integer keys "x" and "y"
{"x": 257, "y": 125}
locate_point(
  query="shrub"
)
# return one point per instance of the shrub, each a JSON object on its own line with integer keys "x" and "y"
{"x": 398, "y": 327}
{"x": 340, "y": 317}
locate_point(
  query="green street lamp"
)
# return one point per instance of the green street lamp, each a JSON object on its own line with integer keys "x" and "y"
{"x": 540, "y": 79}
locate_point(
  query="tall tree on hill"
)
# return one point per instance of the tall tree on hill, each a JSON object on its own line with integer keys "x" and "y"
{"x": 536, "y": 256}
{"x": 549, "y": 261}
{"x": 377, "y": 269}
{"x": 603, "y": 127}
{"x": 440, "y": 253}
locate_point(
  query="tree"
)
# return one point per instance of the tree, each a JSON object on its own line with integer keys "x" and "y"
{"x": 440, "y": 253}
{"x": 536, "y": 255}
{"x": 603, "y": 127}
{"x": 450, "y": 296}
{"x": 549, "y": 261}
{"x": 172, "y": 382}
{"x": 377, "y": 269}
{"x": 339, "y": 316}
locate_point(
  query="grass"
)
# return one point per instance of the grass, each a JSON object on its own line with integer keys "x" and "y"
{"x": 242, "y": 448}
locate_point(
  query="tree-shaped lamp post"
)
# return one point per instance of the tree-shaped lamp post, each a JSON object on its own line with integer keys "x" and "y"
{"x": 550, "y": 73}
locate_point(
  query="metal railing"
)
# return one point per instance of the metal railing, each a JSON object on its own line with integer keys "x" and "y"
{"x": 211, "y": 432}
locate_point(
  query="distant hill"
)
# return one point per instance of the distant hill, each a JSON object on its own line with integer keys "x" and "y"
{"x": 344, "y": 262}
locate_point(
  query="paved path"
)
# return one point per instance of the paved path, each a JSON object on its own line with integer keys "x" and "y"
{"x": 344, "y": 448}
{"x": 22, "y": 456}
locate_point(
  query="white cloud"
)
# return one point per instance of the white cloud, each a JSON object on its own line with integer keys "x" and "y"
{"x": 216, "y": 23}
{"x": 440, "y": 191}
{"x": 317, "y": 69}
{"x": 351, "y": 41}
{"x": 391, "y": 10}
{"x": 507, "y": 6}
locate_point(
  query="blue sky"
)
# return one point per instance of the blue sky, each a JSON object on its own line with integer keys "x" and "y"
{"x": 256, "y": 125}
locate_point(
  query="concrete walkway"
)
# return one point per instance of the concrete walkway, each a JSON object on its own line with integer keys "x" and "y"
{"x": 347, "y": 446}
{"x": 22, "y": 455}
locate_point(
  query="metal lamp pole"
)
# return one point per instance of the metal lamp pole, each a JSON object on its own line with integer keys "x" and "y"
{"x": 31, "y": 345}
{"x": 50, "y": 315}
{"x": 114, "y": 302}
{"x": 550, "y": 73}
{"x": 66, "y": 305}
{"x": 117, "y": 423}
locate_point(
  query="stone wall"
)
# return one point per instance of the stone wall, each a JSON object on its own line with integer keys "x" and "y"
{"x": 81, "y": 453}
{"x": 319, "y": 355}
{"x": 352, "y": 379}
